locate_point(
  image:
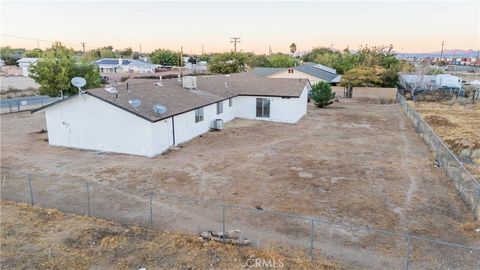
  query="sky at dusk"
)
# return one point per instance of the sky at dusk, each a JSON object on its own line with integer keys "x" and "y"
{"x": 411, "y": 26}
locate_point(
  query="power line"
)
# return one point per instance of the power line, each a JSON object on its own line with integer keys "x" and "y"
{"x": 235, "y": 40}
{"x": 80, "y": 44}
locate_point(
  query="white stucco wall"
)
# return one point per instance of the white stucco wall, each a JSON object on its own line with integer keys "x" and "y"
{"x": 286, "y": 110}
{"x": 186, "y": 128}
{"x": 86, "y": 122}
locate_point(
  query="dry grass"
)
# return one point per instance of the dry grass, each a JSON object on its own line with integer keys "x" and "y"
{"x": 459, "y": 127}
{"x": 37, "y": 238}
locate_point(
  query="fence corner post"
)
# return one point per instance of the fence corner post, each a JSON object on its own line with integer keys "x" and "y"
{"x": 224, "y": 208}
{"x": 31, "y": 190}
{"x": 409, "y": 251}
{"x": 151, "y": 209}
{"x": 88, "y": 199}
{"x": 312, "y": 235}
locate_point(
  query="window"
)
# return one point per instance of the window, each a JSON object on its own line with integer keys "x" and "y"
{"x": 230, "y": 102}
{"x": 220, "y": 107}
{"x": 198, "y": 115}
{"x": 263, "y": 107}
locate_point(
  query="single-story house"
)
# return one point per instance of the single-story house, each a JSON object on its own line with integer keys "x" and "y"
{"x": 124, "y": 118}
{"x": 311, "y": 71}
{"x": 25, "y": 64}
{"x": 114, "y": 65}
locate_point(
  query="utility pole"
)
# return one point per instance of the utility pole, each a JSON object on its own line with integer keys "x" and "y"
{"x": 203, "y": 51}
{"x": 83, "y": 45}
{"x": 441, "y": 52}
{"x": 180, "y": 61}
{"x": 269, "y": 50}
{"x": 140, "y": 48}
{"x": 235, "y": 40}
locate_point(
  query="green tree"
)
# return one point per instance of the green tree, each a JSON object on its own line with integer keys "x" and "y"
{"x": 204, "y": 57}
{"x": 293, "y": 48}
{"x": 10, "y": 55}
{"x": 229, "y": 62}
{"x": 362, "y": 76}
{"x": 257, "y": 61}
{"x": 36, "y": 53}
{"x": 125, "y": 53}
{"x": 322, "y": 94}
{"x": 57, "y": 67}
{"x": 165, "y": 57}
{"x": 280, "y": 60}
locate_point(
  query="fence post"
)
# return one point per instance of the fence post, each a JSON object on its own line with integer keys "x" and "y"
{"x": 18, "y": 106}
{"x": 88, "y": 198}
{"x": 409, "y": 251}
{"x": 30, "y": 185}
{"x": 311, "y": 239}
{"x": 151, "y": 209}
{"x": 224, "y": 207}
{"x": 10, "y": 106}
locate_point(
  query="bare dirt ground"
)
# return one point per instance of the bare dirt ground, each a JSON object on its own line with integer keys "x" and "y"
{"x": 459, "y": 127}
{"x": 353, "y": 162}
{"x": 38, "y": 238}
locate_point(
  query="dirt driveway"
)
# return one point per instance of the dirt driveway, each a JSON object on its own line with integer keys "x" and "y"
{"x": 353, "y": 162}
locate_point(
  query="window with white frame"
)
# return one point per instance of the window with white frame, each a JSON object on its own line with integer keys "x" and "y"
{"x": 198, "y": 115}
{"x": 220, "y": 107}
{"x": 263, "y": 107}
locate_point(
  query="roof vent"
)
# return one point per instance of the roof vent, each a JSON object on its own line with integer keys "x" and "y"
{"x": 190, "y": 82}
{"x": 159, "y": 109}
{"x": 179, "y": 78}
{"x": 135, "y": 103}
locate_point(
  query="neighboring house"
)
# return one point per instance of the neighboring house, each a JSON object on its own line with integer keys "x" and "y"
{"x": 103, "y": 119}
{"x": 25, "y": 63}
{"x": 311, "y": 71}
{"x": 2, "y": 63}
{"x": 114, "y": 65}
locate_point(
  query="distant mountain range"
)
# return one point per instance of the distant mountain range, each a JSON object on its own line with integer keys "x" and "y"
{"x": 446, "y": 53}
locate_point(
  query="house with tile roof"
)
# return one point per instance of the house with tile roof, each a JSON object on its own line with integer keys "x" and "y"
{"x": 125, "y": 119}
{"x": 119, "y": 65}
{"x": 311, "y": 71}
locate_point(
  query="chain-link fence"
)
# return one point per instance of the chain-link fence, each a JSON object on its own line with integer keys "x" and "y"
{"x": 349, "y": 246}
{"x": 463, "y": 180}
{"x": 25, "y": 103}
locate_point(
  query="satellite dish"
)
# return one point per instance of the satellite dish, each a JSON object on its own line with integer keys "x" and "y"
{"x": 78, "y": 82}
{"x": 159, "y": 109}
{"x": 135, "y": 103}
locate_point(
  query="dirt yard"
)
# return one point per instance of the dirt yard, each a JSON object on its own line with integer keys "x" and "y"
{"x": 353, "y": 163}
{"x": 459, "y": 127}
{"x": 38, "y": 238}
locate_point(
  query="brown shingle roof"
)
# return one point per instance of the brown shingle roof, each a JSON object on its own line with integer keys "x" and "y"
{"x": 210, "y": 89}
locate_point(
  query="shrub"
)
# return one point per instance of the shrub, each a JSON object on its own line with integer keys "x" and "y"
{"x": 322, "y": 94}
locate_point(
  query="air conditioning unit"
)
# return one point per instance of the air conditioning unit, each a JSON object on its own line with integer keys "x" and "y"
{"x": 217, "y": 124}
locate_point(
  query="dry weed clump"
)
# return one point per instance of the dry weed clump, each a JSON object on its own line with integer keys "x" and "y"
{"x": 37, "y": 238}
